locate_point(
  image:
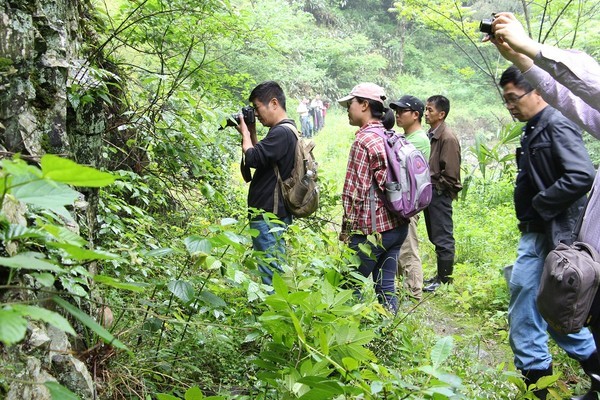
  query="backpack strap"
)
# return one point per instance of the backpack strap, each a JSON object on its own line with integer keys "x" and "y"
{"x": 276, "y": 169}
{"x": 373, "y": 205}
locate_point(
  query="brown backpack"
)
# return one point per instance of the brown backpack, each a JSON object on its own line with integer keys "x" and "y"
{"x": 300, "y": 191}
{"x": 568, "y": 286}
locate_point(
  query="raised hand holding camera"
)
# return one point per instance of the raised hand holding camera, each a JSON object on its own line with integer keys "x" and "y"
{"x": 485, "y": 26}
{"x": 247, "y": 114}
{"x": 507, "y": 28}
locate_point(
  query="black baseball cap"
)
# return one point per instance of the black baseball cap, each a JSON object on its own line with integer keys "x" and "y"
{"x": 409, "y": 102}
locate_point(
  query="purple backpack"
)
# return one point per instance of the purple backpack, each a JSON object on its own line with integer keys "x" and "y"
{"x": 408, "y": 188}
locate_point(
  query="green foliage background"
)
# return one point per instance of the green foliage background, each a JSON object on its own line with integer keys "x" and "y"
{"x": 180, "y": 274}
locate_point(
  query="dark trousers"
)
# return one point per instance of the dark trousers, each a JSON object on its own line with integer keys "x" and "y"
{"x": 440, "y": 228}
{"x": 382, "y": 263}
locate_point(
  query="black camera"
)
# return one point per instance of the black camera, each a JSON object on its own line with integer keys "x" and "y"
{"x": 485, "y": 25}
{"x": 247, "y": 114}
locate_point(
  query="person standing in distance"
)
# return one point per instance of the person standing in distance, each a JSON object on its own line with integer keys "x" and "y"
{"x": 364, "y": 211}
{"x": 276, "y": 148}
{"x": 444, "y": 166}
{"x": 409, "y": 114}
{"x": 302, "y": 111}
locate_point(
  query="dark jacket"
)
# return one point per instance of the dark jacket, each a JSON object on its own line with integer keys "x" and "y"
{"x": 561, "y": 171}
{"x": 277, "y": 147}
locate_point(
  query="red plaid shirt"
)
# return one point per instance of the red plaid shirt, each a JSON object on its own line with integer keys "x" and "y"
{"x": 367, "y": 160}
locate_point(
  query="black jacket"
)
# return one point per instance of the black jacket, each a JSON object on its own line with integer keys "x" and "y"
{"x": 559, "y": 167}
{"x": 277, "y": 147}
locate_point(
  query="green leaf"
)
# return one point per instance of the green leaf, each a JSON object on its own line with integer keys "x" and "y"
{"x": 518, "y": 382}
{"x": 442, "y": 376}
{"x": 182, "y": 290}
{"x": 29, "y": 260}
{"x": 45, "y": 194}
{"x": 164, "y": 251}
{"x": 546, "y": 381}
{"x": 445, "y": 392}
{"x": 44, "y": 278}
{"x": 279, "y": 285}
{"x": 19, "y": 167}
{"x": 59, "y": 392}
{"x": 64, "y": 235}
{"x": 90, "y": 323}
{"x": 211, "y": 299}
{"x": 81, "y": 254}
{"x": 197, "y": 244}
{"x": 43, "y": 314}
{"x": 441, "y": 351}
{"x": 322, "y": 383}
{"x": 376, "y": 387}
{"x": 365, "y": 248}
{"x": 12, "y": 327}
{"x": 350, "y": 363}
{"x": 164, "y": 396}
{"x": 16, "y": 231}
{"x": 194, "y": 393}
{"x": 109, "y": 281}
{"x": 67, "y": 171}
{"x": 228, "y": 221}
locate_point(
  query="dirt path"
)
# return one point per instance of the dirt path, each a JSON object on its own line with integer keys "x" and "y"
{"x": 437, "y": 314}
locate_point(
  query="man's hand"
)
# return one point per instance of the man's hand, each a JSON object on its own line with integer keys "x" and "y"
{"x": 507, "y": 29}
{"x": 248, "y": 133}
{"x": 344, "y": 237}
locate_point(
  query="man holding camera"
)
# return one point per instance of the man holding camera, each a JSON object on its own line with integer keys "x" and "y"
{"x": 554, "y": 174}
{"x": 570, "y": 81}
{"x": 277, "y": 148}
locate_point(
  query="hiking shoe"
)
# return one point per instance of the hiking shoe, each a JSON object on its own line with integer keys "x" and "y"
{"x": 429, "y": 281}
{"x": 432, "y": 287}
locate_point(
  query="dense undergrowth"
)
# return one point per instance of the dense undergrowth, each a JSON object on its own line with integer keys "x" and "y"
{"x": 191, "y": 318}
{"x": 206, "y": 322}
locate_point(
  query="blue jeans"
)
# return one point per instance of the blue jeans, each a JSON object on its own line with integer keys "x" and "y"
{"x": 306, "y": 126}
{"x": 528, "y": 334}
{"x": 383, "y": 263}
{"x": 271, "y": 244}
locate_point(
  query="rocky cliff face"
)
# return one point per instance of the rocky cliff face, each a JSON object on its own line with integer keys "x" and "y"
{"x": 44, "y": 69}
{"x": 41, "y": 59}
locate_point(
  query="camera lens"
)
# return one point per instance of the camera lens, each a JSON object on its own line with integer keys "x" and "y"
{"x": 485, "y": 26}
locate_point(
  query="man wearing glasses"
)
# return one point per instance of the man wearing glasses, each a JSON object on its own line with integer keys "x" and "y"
{"x": 409, "y": 114}
{"x": 277, "y": 148}
{"x": 554, "y": 175}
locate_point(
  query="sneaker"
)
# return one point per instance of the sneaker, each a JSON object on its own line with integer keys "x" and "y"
{"x": 432, "y": 287}
{"x": 430, "y": 280}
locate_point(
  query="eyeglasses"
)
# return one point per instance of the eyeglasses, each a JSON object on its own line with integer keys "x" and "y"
{"x": 515, "y": 99}
{"x": 402, "y": 111}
